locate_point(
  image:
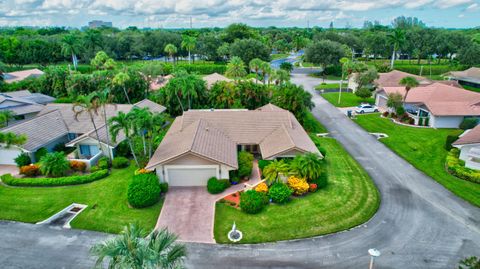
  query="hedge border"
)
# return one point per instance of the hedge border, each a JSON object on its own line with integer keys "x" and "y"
{"x": 57, "y": 181}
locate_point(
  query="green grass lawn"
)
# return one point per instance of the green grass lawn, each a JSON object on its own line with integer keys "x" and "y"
{"x": 424, "y": 149}
{"x": 348, "y": 99}
{"x": 107, "y": 209}
{"x": 331, "y": 86}
{"x": 349, "y": 200}
{"x": 471, "y": 88}
{"x": 279, "y": 56}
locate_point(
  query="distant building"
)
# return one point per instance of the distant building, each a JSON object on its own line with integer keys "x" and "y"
{"x": 98, "y": 24}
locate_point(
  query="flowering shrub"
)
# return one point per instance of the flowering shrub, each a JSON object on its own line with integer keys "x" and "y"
{"x": 262, "y": 187}
{"x": 312, "y": 187}
{"x": 298, "y": 185}
{"x": 78, "y": 166}
{"x": 30, "y": 170}
{"x": 279, "y": 193}
{"x": 142, "y": 171}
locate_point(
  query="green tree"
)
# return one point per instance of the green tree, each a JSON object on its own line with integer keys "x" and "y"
{"x": 266, "y": 70}
{"x": 5, "y": 116}
{"x": 236, "y": 68}
{"x": 9, "y": 138}
{"x": 280, "y": 76}
{"x": 286, "y": 66}
{"x": 71, "y": 47}
{"x": 123, "y": 123}
{"x": 363, "y": 93}
{"x": 255, "y": 65}
{"x": 90, "y": 105}
{"x": 171, "y": 50}
{"x": 324, "y": 53}
{"x": 104, "y": 99}
{"x": 120, "y": 80}
{"x": 408, "y": 82}
{"x": 102, "y": 61}
{"x": 224, "y": 95}
{"x": 293, "y": 98}
{"x": 224, "y": 51}
{"x": 366, "y": 77}
{"x": 309, "y": 166}
{"x": 249, "y": 49}
{"x": 189, "y": 43}
{"x": 397, "y": 39}
{"x": 237, "y": 31}
{"x": 470, "y": 263}
{"x": 272, "y": 171}
{"x": 131, "y": 250}
{"x": 469, "y": 54}
{"x": 92, "y": 40}
{"x": 395, "y": 100}
{"x": 54, "y": 164}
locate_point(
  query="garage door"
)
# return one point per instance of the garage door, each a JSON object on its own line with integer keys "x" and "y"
{"x": 382, "y": 102}
{"x": 190, "y": 176}
{"x": 7, "y": 156}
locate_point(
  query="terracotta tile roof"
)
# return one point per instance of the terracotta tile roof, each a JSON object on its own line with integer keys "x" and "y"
{"x": 160, "y": 82}
{"x": 276, "y": 130}
{"x": 441, "y": 99}
{"x": 40, "y": 130}
{"x": 214, "y": 78}
{"x": 472, "y": 72}
{"x": 469, "y": 137}
{"x": 21, "y": 75}
{"x": 392, "y": 79}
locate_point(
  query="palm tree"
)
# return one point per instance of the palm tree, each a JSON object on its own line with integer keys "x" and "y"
{"x": 88, "y": 104}
{"x": 121, "y": 79}
{"x": 397, "y": 38}
{"x": 131, "y": 250}
{"x": 5, "y": 116}
{"x": 280, "y": 76}
{"x": 123, "y": 123}
{"x": 92, "y": 40}
{"x": 189, "y": 43}
{"x": 266, "y": 70}
{"x": 10, "y": 138}
{"x": 141, "y": 123}
{"x": 255, "y": 65}
{"x": 70, "y": 47}
{"x": 170, "y": 49}
{"x": 105, "y": 99}
{"x": 409, "y": 83}
{"x": 235, "y": 68}
{"x": 273, "y": 171}
{"x": 309, "y": 166}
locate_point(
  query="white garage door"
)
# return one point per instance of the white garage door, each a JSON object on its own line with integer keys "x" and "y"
{"x": 7, "y": 156}
{"x": 382, "y": 102}
{"x": 190, "y": 176}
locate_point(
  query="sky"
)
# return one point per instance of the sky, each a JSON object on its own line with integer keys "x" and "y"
{"x": 220, "y": 13}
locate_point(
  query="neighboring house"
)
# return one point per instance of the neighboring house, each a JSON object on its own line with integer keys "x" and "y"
{"x": 390, "y": 79}
{"x": 204, "y": 143}
{"x": 469, "y": 146}
{"x": 159, "y": 82}
{"x": 56, "y": 124}
{"x": 470, "y": 77}
{"x": 23, "y": 104}
{"x": 21, "y": 75}
{"x": 439, "y": 105}
{"x": 214, "y": 78}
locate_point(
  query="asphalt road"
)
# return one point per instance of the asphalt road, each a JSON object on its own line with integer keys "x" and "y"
{"x": 419, "y": 224}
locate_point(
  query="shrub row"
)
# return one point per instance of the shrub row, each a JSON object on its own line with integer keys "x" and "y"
{"x": 58, "y": 181}
{"x": 203, "y": 69}
{"x": 456, "y": 167}
{"x": 120, "y": 162}
{"x": 215, "y": 185}
{"x": 436, "y": 69}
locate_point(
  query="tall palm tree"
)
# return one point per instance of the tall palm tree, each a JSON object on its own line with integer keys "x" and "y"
{"x": 255, "y": 65}
{"x": 121, "y": 79}
{"x": 272, "y": 171}
{"x": 71, "y": 47}
{"x": 131, "y": 250}
{"x": 92, "y": 40}
{"x": 90, "y": 105}
{"x": 141, "y": 123}
{"x": 280, "y": 76}
{"x": 123, "y": 123}
{"x": 266, "y": 70}
{"x": 105, "y": 99}
{"x": 170, "y": 49}
{"x": 189, "y": 43}
{"x": 409, "y": 83}
{"x": 397, "y": 38}
{"x": 309, "y": 166}
{"x": 236, "y": 68}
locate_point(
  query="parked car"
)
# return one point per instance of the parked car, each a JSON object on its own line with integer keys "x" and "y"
{"x": 366, "y": 108}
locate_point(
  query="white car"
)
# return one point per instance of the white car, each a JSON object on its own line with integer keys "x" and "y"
{"x": 366, "y": 108}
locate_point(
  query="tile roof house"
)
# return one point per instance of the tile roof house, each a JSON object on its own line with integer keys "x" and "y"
{"x": 23, "y": 104}
{"x": 56, "y": 124}
{"x": 437, "y": 105}
{"x": 204, "y": 143}
{"x": 389, "y": 79}
{"x": 21, "y": 75}
{"x": 469, "y": 145}
{"x": 469, "y": 77}
{"x": 214, "y": 78}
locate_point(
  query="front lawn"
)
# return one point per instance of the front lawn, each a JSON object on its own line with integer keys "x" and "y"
{"x": 424, "y": 149}
{"x": 278, "y": 56}
{"x": 331, "y": 86}
{"x": 348, "y": 99}
{"x": 106, "y": 198}
{"x": 350, "y": 199}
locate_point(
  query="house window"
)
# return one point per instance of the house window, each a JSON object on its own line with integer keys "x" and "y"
{"x": 88, "y": 150}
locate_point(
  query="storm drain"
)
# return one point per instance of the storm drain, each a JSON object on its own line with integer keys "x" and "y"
{"x": 65, "y": 216}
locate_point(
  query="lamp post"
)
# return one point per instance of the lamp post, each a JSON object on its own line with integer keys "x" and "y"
{"x": 373, "y": 253}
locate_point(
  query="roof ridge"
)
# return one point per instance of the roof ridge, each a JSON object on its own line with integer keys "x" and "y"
{"x": 195, "y": 134}
{"x": 34, "y": 118}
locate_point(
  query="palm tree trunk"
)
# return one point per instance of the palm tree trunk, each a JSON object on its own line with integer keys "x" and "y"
{"x": 393, "y": 59}
{"x": 189, "y": 57}
{"x": 126, "y": 94}
{"x": 96, "y": 131}
{"x": 144, "y": 144}
{"x": 133, "y": 152}
{"x": 107, "y": 131}
{"x": 180, "y": 102}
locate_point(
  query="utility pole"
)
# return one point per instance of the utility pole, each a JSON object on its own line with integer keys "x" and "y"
{"x": 308, "y": 24}
{"x": 191, "y": 22}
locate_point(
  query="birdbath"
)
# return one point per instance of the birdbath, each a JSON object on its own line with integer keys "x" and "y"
{"x": 235, "y": 235}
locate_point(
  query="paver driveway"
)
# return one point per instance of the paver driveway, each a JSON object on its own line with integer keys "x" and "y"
{"x": 8, "y": 169}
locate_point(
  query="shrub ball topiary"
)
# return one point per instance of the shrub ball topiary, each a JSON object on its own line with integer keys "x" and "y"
{"x": 215, "y": 186}
{"x": 23, "y": 159}
{"x": 245, "y": 164}
{"x": 54, "y": 164}
{"x": 144, "y": 190}
{"x": 103, "y": 162}
{"x": 385, "y": 114}
{"x": 279, "y": 193}
{"x": 252, "y": 202}
{"x": 298, "y": 185}
{"x": 400, "y": 111}
{"x": 164, "y": 187}
{"x": 321, "y": 181}
{"x": 120, "y": 162}
{"x": 262, "y": 187}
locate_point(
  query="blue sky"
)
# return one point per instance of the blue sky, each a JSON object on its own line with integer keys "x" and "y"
{"x": 210, "y": 13}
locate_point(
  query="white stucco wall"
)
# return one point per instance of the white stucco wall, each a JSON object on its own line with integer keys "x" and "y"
{"x": 445, "y": 121}
{"x": 378, "y": 98}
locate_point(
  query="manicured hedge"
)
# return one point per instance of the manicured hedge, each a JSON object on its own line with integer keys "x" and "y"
{"x": 120, "y": 162}
{"x": 436, "y": 69}
{"x": 215, "y": 185}
{"x": 280, "y": 193}
{"x": 456, "y": 167}
{"x": 203, "y": 69}
{"x": 57, "y": 181}
{"x": 252, "y": 202}
{"x": 144, "y": 190}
